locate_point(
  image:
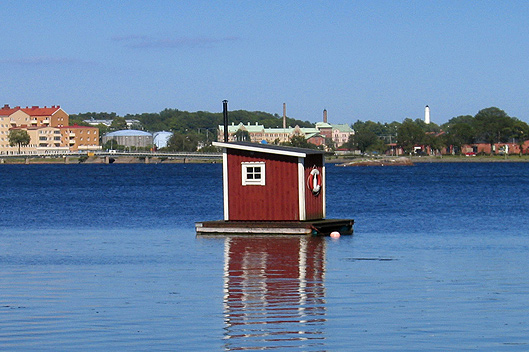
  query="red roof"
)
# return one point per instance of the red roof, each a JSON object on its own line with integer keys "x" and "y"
{"x": 7, "y": 110}
{"x": 38, "y": 111}
{"x": 31, "y": 111}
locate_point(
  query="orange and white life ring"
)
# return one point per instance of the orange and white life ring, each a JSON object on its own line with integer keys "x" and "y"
{"x": 314, "y": 181}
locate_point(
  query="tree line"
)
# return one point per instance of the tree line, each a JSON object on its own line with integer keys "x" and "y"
{"x": 184, "y": 121}
{"x": 491, "y": 125}
{"x": 192, "y": 129}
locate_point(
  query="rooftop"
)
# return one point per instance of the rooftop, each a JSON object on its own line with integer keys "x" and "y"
{"x": 38, "y": 111}
{"x": 267, "y": 148}
{"x": 343, "y": 127}
{"x": 128, "y": 133}
{"x": 6, "y": 110}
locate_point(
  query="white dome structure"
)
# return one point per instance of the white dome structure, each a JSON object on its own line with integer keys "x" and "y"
{"x": 130, "y": 138}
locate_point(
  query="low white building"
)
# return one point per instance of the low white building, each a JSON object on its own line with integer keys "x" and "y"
{"x": 130, "y": 138}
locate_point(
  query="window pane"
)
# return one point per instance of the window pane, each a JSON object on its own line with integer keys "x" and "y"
{"x": 253, "y": 173}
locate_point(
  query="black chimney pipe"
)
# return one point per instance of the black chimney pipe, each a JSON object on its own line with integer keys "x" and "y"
{"x": 225, "y": 113}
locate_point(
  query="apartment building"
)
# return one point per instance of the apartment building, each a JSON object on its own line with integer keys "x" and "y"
{"x": 338, "y": 133}
{"x": 45, "y": 126}
{"x": 259, "y": 133}
{"x": 80, "y": 138}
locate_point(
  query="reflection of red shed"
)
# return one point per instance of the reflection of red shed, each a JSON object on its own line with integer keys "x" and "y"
{"x": 272, "y": 183}
{"x": 274, "y": 284}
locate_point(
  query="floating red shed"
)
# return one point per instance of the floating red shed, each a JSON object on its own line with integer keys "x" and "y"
{"x": 272, "y": 183}
{"x": 270, "y": 189}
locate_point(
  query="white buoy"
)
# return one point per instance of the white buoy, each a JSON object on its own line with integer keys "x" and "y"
{"x": 335, "y": 234}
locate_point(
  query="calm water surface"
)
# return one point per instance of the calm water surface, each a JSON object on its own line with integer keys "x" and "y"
{"x": 104, "y": 257}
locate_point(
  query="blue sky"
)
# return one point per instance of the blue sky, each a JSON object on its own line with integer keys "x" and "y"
{"x": 361, "y": 60}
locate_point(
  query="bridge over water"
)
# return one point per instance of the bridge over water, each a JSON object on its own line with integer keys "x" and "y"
{"x": 111, "y": 156}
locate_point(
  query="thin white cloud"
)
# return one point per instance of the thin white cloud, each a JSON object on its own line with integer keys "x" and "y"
{"x": 44, "y": 61}
{"x": 146, "y": 42}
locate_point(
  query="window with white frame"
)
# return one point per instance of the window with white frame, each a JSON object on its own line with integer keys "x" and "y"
{"x": 253, "y": 173}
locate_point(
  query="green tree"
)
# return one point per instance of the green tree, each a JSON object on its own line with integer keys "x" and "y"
{"x": 112, "y": 144}
{"x": 18, "y": 137}
{"x": 379, "y": 146}
{"x": 493, "y": 125}
{"x": 181, "y": 121}
{"x": 386, "y": 131}
{"x": 466, "y": 119}
{"x": 329, "y": 144}
{"x": 183, "y": 142}
{"x": 427, "y": 127}
{"x": 208, "y": 149}
{"x": 520, "y": 133}
{"x": 242, "y": 135}
{"x": 364, "y": 139}
{"x": 460, "y": 133}
{"x": 434, "y": 141}
{"x": 79, "y": 118}
{"x": 350, "y": 144}
{"x": 136, "y": 126}
{"x": 103, "y": 129}
{"x": 390, "y": 132}
{"x": 409, "y": 134}
{"x": 376, "y": 127}
{"x": 299, "y": 142}
{"x": 118, "y": 123}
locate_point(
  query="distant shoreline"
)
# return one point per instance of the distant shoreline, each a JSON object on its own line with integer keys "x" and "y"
{"x": 329, "y": 160}
{"x": 101, "y": 161}
{"x": 471, "y": 159}
{"x": 449, "y": 159}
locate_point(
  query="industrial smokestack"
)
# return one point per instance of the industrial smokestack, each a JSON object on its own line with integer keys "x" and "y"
{"x": 325, "y": 115}
{"x": 225, "y": 114}
{"x": 284, "y": 115}
{"x": 427, "y": 114}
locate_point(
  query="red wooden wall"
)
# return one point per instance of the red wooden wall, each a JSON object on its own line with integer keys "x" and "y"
{"x": 276, "y": 201}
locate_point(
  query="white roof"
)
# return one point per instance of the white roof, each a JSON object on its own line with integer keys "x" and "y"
{"x": 267, "y": 148}
{"x": 128, "y": 133}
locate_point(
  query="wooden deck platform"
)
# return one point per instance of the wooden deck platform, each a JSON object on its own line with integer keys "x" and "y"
{"x": 316, "y": 227}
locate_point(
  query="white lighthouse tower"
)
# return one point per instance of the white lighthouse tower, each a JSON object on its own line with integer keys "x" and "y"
{"x": 427, "y": 114}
